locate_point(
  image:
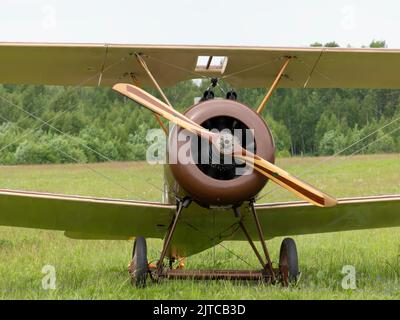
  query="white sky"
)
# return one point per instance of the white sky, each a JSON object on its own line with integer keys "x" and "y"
{"x": 234, "y": 22}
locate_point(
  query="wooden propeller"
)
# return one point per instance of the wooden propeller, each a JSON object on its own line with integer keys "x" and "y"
{"x": 264, "y": 167}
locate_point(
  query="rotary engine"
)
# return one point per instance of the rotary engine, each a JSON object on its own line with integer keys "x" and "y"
{"x": 209, "y": 177}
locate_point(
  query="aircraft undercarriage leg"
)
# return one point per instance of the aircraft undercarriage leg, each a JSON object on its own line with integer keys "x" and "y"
{"x": 167, "y": 241}
{"x": 288, "y": 271}
{"x": 260, "y": 259}
{"x": 268, "y": 265}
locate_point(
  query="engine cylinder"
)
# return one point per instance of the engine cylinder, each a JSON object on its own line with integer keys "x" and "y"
{"x": 217, "y": 184}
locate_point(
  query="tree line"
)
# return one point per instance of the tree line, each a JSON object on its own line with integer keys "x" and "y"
{"x": 53, "y": 124}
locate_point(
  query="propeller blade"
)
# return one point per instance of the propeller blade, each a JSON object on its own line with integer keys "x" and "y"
{"x": 287, "y": 181}
{"x": 267, "y": 169}
{"x": 157, "y": 106}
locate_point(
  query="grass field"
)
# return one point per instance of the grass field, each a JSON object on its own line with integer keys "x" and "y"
{"x": 98, "y": 269}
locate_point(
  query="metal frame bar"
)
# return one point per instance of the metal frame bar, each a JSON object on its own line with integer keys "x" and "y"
{"x": 262, "y": 240}
{"x": 240, "y": 275}
{"x": 209, "y": 62}
{"x": 168, "y": 237}
{"x": 273, "y": 86}
{"x": 252, "y": 244}
{"x": 143, "y": 64}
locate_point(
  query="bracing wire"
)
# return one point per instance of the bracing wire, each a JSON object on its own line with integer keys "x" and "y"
{"x": 343, "y": 150}
{"x": 47, "y": 123}
{"x": 310, "y": 169}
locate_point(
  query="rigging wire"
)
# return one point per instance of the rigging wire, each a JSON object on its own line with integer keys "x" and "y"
{"x": 309, "y": 169}
{"x": 88, "y": 167}
{"x": 70, "y": 88}
{"x": 336, "y": 84}
{"x": 341, "y": 151}
{"x": 212, "y": 238}
{"x": 372, "y": 142}
{"x": 44, "y": 123}
{"x": 250, "y": 68}
{"x": 178, "y": 67}
{"x": 202, "y": 76}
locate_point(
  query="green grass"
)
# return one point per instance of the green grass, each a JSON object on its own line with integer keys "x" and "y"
{"x": 98, "y": 269}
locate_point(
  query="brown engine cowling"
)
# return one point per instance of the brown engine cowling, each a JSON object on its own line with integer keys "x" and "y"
{"x": 217, "y": 185}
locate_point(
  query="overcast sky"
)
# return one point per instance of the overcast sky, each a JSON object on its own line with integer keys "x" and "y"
{"x": 234, "y": 22}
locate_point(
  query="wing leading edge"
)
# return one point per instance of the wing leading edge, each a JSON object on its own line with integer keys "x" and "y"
{"x": 108, "y": 64}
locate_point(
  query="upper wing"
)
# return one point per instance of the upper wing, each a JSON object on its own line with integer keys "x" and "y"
{"x": 298, "y": 218}
{"x": 107, "y": 64}
{"x": 84, "y": 217}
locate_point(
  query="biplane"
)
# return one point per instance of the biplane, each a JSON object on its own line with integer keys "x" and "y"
{"x": 197, "y": 196}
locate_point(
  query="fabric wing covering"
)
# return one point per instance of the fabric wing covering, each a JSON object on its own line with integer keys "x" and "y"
{"x": 99, "y": 218}
{"x": 107, "y": 64}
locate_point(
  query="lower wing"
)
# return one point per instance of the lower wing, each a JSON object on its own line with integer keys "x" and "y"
{"x": 297, "y": 218}
{"x": 84, "y": 217}
{"x": 99, "y": 218}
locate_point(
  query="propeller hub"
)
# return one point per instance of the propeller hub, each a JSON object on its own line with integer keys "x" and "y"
{"x": 227, "y": 142}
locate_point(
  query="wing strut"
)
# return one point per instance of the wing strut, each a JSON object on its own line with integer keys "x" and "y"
{"x": 268, "y": 264}
{"x": 181, "y": 204}
{"x": 143, "y": 64}
{"x": 273, "y": 86}
{"x": 146, "y": 68}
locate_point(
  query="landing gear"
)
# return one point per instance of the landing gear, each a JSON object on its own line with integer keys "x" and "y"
{"x": 288, "y": 271}
{"x": 288, "y": 262}
{"x": 138, "y": 268}
{"x": 286, "y": 274}
{"x": 167, "y": 241}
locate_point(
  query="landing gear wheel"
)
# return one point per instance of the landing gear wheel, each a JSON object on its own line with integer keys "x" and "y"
{"x": 138, "y": 269}
{"x": 288, "y": 262}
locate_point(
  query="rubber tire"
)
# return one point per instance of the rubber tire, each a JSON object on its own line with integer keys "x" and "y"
{"x": 288, "y": 254}
{"x": 139, "y": 259}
